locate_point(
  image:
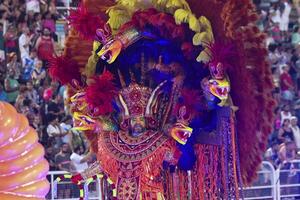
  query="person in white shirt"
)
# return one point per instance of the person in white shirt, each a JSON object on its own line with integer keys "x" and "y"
{"x": 79, "y": 161}
{"x": 296, "y": 131}
{"x": 285, "y": 16}
{"x": 66, "y": 127}
{"x": 24, "y": 42}
{"x": 54, "y": 130}
{"x": 33, "y": 6}
{"x": 285, "y": 114}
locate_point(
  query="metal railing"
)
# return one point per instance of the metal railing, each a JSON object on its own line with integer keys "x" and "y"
{"x": 265, "y": 187}
{"x": 280, "y": 184}
{"x": 67, "y": 190}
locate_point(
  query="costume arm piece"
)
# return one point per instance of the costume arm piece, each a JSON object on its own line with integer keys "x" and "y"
{"x": 83, "y": 122}
{"x": 113, "y": 46}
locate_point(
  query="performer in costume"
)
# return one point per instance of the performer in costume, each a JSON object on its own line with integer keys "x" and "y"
{"x": 173, "y": 94}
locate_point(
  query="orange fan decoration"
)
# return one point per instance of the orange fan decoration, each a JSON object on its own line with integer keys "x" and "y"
{"x": 23, "y": 168}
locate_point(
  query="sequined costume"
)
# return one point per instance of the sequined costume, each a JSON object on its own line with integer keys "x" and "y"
{"x": 173, "y": 94}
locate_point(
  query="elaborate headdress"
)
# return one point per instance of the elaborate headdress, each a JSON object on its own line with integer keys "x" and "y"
{"x": 194, "y": 29}
{"x": 134, "y": 100}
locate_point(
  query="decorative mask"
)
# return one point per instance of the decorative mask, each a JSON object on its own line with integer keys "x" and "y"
{"x": 111, "y": 51}
{"x": 113, "y": 46}
{"x": 181, "y": 133}
{"x": 220, "y": 89}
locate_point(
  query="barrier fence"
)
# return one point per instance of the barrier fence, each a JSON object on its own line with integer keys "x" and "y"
{"x": 271, "y": 184}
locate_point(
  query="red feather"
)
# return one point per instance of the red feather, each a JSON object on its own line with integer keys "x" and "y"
{"x": 222, "y": 53}
{"x": 64, "y": 69}
{"x": 191, "y": 100}
{"x": 84, "y": 22}
{"x": 100, "y": 94}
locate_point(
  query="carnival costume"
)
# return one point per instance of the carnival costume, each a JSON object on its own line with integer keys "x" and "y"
{"x": 172, "y": 96}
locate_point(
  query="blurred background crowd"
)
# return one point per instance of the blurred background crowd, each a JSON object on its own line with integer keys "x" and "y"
{"x": 279, "y": 19}
{"x": 29, "y": 35}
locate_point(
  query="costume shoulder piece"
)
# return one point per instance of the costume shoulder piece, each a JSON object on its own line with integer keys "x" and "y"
{"x": 184, "y": 61}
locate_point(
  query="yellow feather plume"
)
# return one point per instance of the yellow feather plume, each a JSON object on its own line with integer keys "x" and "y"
{"x": 205, "y": 24}
{"x": 117, "y": 17}
{"x": 174, "y": 4}
{"x": 90, "y": 67}
{"x": 204, "y": 56}
{"x": 170, "y": 5}
{"x": 127, "y": 3}
{"x": 194, "y": 24}
{"x": 202, "y": 38}
{"x": 123, "y": 10}
{"x": 181, "y": 16}
{"x": 96, "y": 45}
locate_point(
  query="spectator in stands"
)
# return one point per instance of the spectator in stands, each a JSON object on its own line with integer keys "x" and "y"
{"x": 294, "y": 60}
{"x": 20, "y": 15}
{"x": 35, "y": 36}
{"x": 285, "y": 113}
{"x": 275, "y": 14}
{"x": 296, "y": 36}
{"x": 271, "y": 154}
{"x": 29, "y": 67}
{"x": 6, "y": 7}
{"x": 50, "y": 156}
{"x": 79, "y": 160}
{"x": 275, "y": 32}
{"x": 33, "y": 109}
{"x": 273, "y": 55}
{"x": 63, "y": 163}
{"x": 297, "y": 109}
{"x": 285, "y": 132}
{"x": 285, "y": 16}
{"x": 31, "y": 93}
{"x": 24, "y": 42}
{"x": 287, "y": 85}
{"x": 55, "y": 107}
{"x": 38, "y": 74}
{"x": 11, "y": 86}
{"x": 11, "y": 40}
{"x": 4, "y": 21}
{"x": 48, "y": 22}
{"x": 2, "y": 52}
{"x": 19, "y": 104}
{"x": 296, "y": 131}
{"x": 66, "y": 126}
{"x": 38, "y": 126}
{"x": 3, "y": 95}
{"x": 54, "y": 130}
{"x": 14, "y": 65}
{"x": 45, "y": 45}
{"x": 38, "y": 21}
{"x": 32, "y": 6}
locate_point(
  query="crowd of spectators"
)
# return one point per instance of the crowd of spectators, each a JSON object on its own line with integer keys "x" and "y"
{"x": 28, "y": 38}
{"x": 280, "y": 22}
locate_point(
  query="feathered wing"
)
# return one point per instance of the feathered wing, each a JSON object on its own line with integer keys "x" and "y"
{"x": 250, "y": 76}
{"x": 78, "y": 48}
